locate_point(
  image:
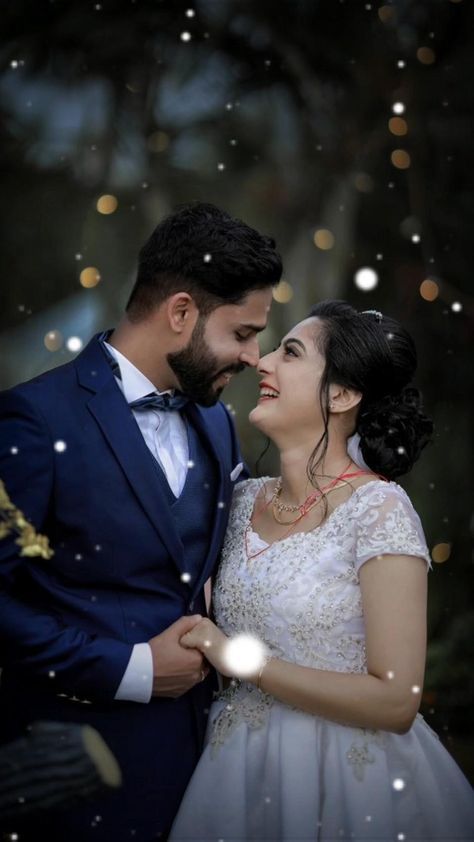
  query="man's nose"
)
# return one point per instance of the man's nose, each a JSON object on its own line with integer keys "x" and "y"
{"x": 250, "y": 355}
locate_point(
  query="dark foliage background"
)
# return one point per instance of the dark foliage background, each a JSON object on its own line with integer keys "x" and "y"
{"x": 279, "y": 111}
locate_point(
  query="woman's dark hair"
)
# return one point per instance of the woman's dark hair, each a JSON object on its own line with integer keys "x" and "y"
{"x": 204, "y": 251}
{"x": 374, "y": 355}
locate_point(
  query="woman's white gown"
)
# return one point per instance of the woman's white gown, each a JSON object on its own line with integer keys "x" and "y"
{"x": 271, "y": 772}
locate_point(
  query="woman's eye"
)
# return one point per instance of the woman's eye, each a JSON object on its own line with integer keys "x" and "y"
{"x": 289, "y": 350}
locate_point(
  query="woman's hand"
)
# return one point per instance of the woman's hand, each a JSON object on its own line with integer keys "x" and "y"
{"x": 206, "y": 637}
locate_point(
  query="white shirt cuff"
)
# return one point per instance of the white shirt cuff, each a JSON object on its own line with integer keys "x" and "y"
{"x": 137, "y": 681}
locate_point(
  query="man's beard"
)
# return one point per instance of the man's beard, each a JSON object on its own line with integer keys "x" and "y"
{"x": 197, "y": 368}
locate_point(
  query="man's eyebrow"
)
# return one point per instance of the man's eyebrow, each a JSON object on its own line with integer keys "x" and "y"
{"x": 291, "y": 339}
{"x": 253, "y": 328}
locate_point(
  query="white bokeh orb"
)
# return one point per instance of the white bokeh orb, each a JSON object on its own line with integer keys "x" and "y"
{"x": 366, "y": 278}
{"x": 244, "y": 655}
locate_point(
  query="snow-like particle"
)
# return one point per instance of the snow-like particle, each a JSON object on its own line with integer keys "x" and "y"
{"x": 190, "y": 13}
{"x": 185, "y": 36}
{"x": 221, "y": 166}
{"x": 415, "y": 689}
{"x": 366, "y": 278}
{"x": 398, "y": 108}
{"x": 456, "y": 306}
{"x": 190, "y": 463}
{"x": 244, "y": 655}
{"x": 221, "y": 505}
{"x": 401, "y": 64}
{"x": 14, "y": 64}
{"x": 51, "y": 674}
{"x": 398, "y": 784}
{"x": 207, "y": 257}
{"x": 78, "y": 557}
{"x": 415, "y": 238}
{"x": 60, "y": 446}
{"x": 185, "y": 577}
{"x": 13, "y": 451}
{"x": 390, "y": 674}
{"x": 401, "y": 450}
{"x": 401, "y": 837}
{"x": 74, "y": 344}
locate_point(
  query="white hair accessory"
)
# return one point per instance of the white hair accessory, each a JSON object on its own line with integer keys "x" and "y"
{"x": 354, "y": 451}
{"x": 378, "y": 315}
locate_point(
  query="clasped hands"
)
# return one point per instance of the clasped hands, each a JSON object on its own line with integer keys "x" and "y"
{"x": 182, "y": 654}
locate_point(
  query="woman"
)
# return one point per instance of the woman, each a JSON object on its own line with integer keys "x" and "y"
{"x": 326, "y": 567}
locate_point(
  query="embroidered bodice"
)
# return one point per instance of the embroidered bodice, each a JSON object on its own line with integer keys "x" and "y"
{"x": 301, "y": 597}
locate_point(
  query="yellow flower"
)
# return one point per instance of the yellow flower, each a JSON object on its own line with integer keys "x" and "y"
{"x": 13, "y": 520}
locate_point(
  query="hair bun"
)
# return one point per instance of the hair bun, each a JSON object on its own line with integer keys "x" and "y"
{"x": 393, "y": 432}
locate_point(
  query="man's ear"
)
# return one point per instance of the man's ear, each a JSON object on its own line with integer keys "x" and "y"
{"x": 181, "y": 312}
{"x": 342, "y": 399}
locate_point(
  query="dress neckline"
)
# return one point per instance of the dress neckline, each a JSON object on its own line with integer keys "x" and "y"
{"x": 254, "y": 534}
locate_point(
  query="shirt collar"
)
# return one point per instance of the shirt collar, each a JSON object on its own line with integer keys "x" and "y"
{"x": 133, "y": 384}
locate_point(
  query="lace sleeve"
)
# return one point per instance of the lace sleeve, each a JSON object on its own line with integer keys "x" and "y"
{"x": 387, "y": 524}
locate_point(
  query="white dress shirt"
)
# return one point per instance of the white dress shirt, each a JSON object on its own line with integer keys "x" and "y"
{"x": 166, "y": 438}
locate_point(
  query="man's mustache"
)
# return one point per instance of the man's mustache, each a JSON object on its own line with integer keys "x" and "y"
{"x": 231, "y": 369}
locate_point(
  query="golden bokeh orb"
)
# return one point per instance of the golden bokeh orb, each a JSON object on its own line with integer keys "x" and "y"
{"x": 324, "y": 239}
{"x": 440, "y": 553}
{"x": 400, "y": 159}
{"x": 89, "y": 277}
{"x": 107, "y": 204}
{"x": 283, "y": 292}
{"x": 429, "y": 289}
{"x": 398, "y": 126}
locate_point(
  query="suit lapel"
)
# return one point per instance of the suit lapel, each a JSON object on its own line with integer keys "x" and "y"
{"x": 110, "y": 410}
{"x": 198, "y": 418}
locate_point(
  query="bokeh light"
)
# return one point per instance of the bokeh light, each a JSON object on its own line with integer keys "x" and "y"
{"x": 283, "y": 292}
{"x": 366, "y": 278}
{"x": 400, "y": 159}
{"x": 440, "y": 553}
{"x": 107, "y": 204}
{"x": 398, "y": 126}
{"x": 53, "y": 340}
{"x": 74, "y": 344}
{"x": 426, "y": 55}
{"x": 323, "y": 239}
{"x": 429, "y": 289}
{"x": 244, "y": 655}
{"x": 89, "y": 277}
{"x": 398, "y": 108}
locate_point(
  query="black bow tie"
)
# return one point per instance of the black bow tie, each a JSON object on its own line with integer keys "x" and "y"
{"x": 164, "y": 402}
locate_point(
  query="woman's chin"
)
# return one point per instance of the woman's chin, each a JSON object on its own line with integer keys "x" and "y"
{"x": 257, "y": 418}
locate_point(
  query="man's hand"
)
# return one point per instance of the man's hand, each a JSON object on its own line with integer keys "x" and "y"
{"x": 176, "y": 669}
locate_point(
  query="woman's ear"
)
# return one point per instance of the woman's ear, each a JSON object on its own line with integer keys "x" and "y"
{"x": 181, "y": 312}
{"x": 342, "y": 399}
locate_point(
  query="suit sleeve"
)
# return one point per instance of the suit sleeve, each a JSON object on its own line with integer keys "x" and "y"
{"x": 34, "y": 641}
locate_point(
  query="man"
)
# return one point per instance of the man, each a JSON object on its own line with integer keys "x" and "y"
{"x": 126, "y": 460}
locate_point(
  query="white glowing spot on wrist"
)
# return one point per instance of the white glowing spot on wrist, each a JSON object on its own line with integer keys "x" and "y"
{"x": 398, "y": 784}
{"x": 244, "y": 655}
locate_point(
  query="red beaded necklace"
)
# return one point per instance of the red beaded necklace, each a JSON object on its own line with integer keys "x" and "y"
{"x": 303, "y": 509}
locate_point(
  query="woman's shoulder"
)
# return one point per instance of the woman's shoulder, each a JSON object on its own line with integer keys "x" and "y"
{"x": 249, "y": 488}
{"x": 378, "y": 491}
